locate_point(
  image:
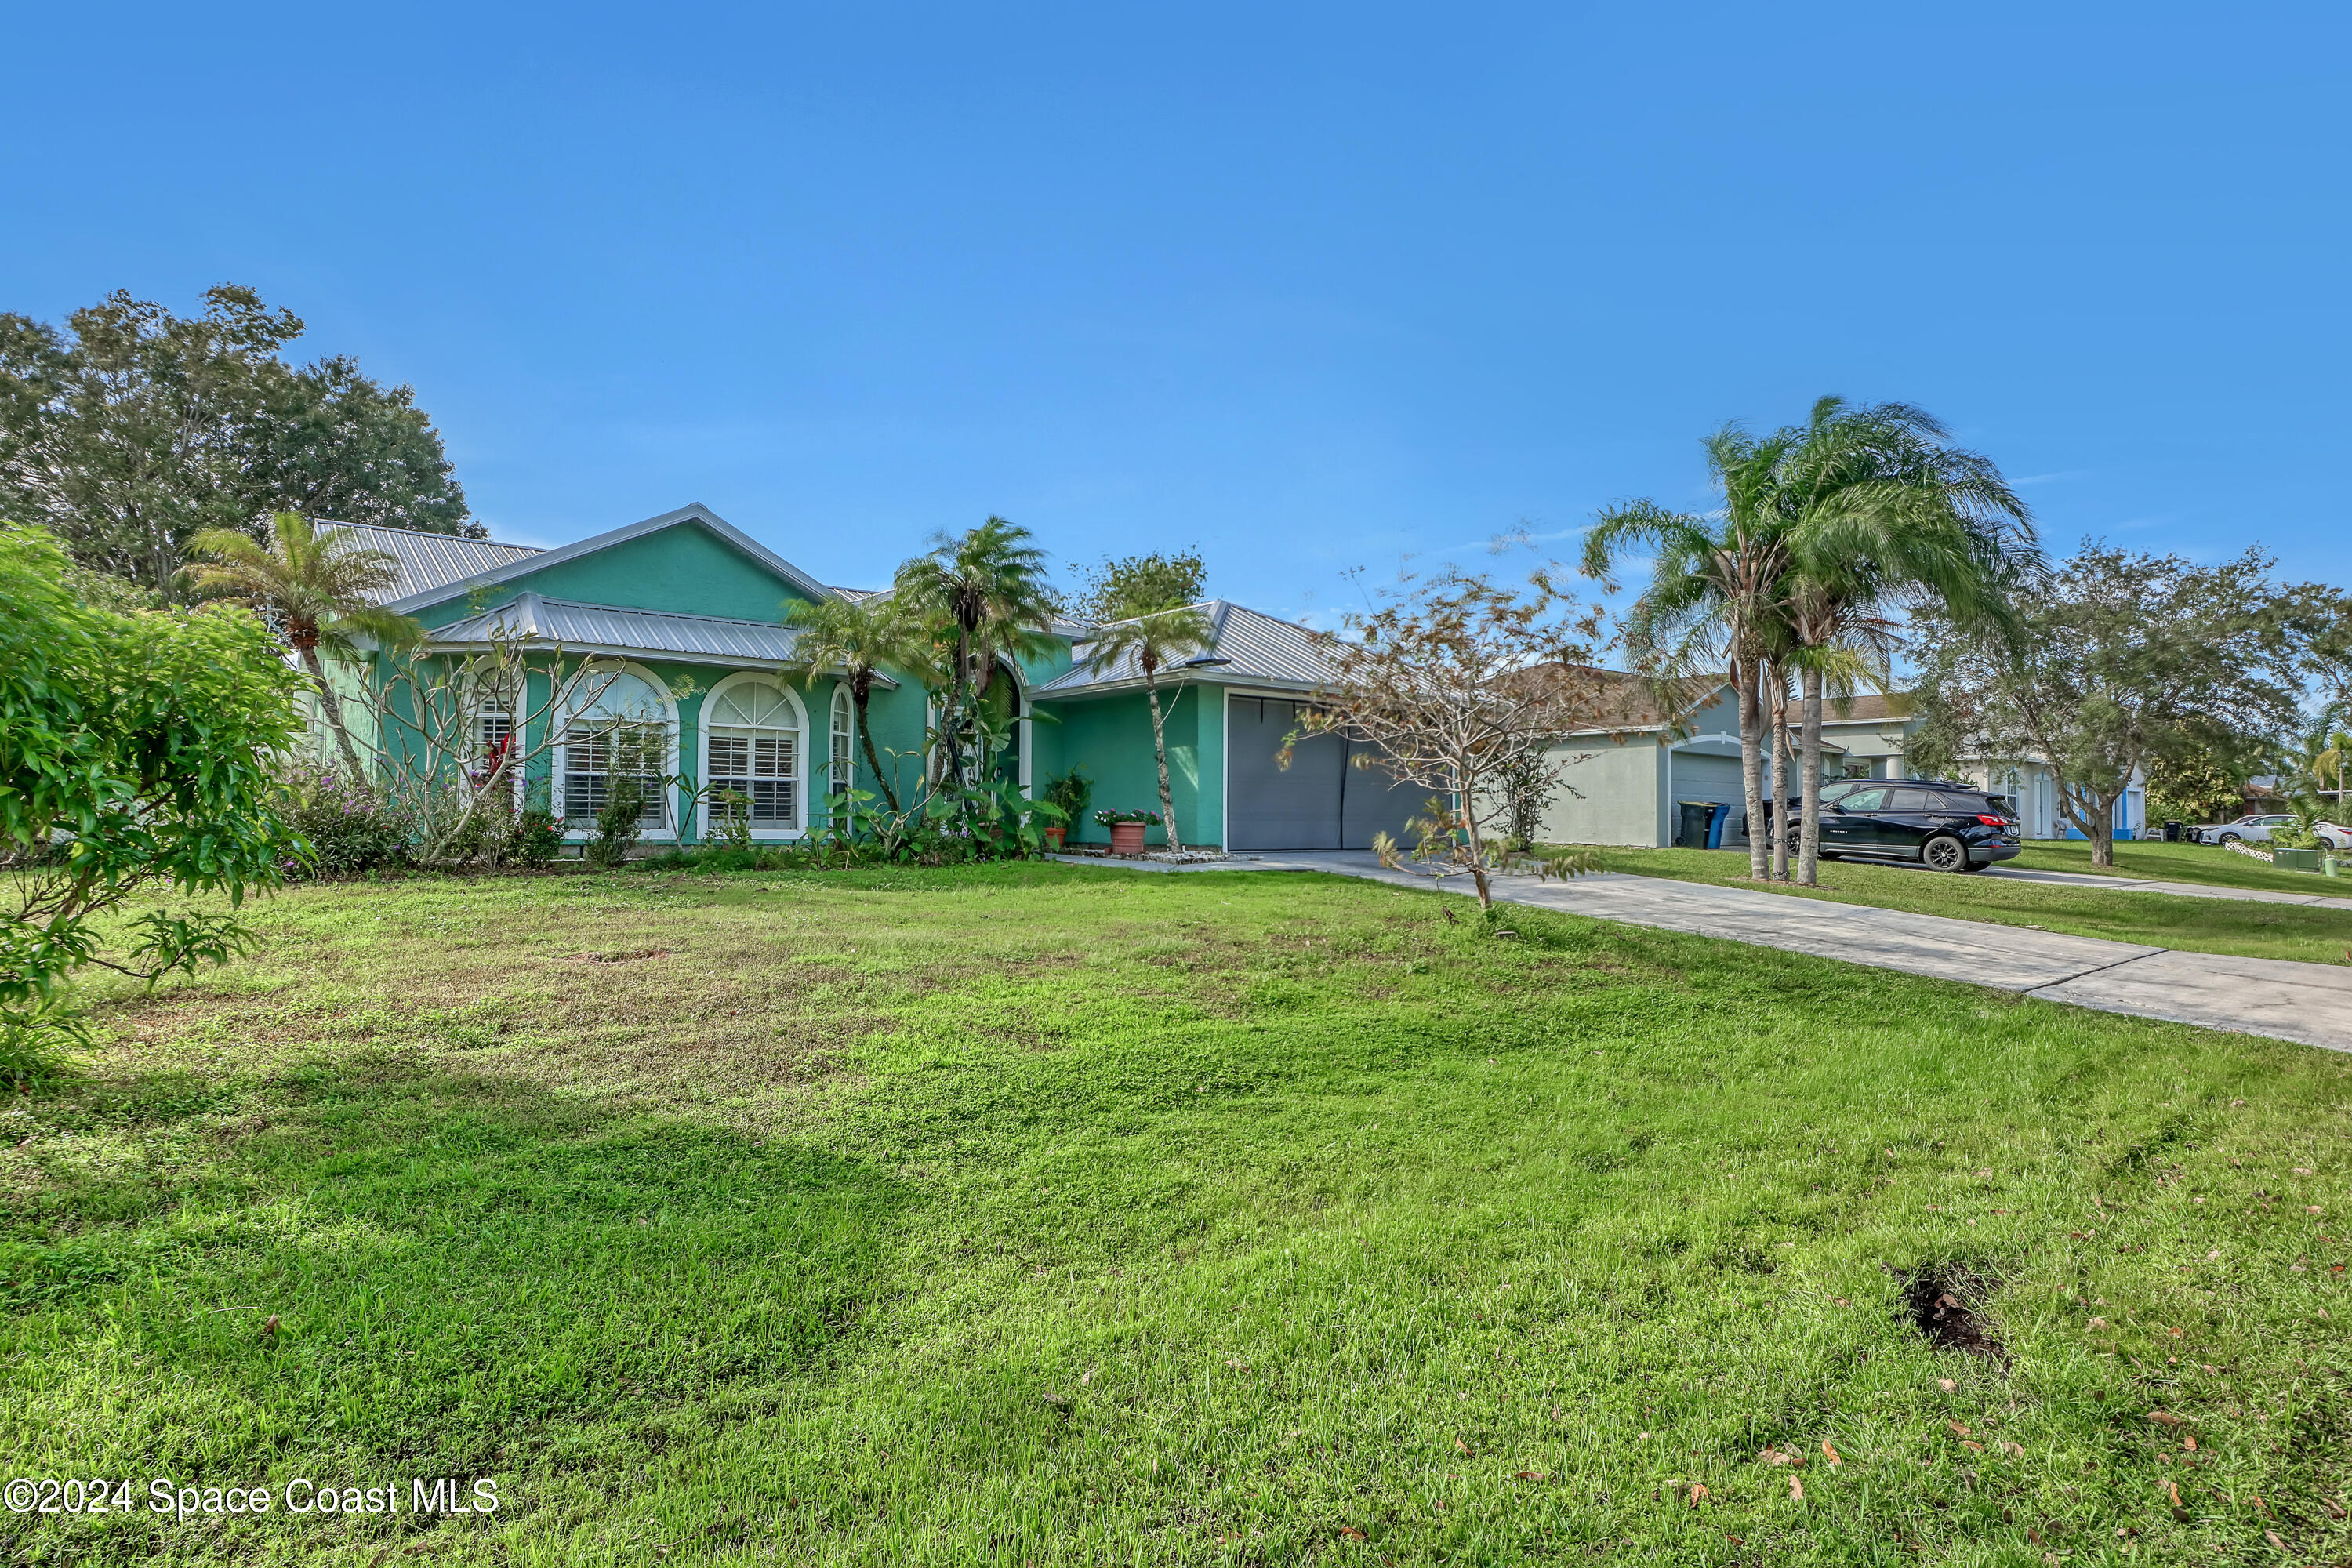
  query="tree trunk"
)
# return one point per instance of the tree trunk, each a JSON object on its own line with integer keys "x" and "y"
{"x": 1777, "y": 679}
{"x": 332, "y": 707}
{"x": 2102, "y": 836}
{"x": 1808, "y": 851}
{"x": 1751, "y": 765}
{"x": 1477, "y": 849}
{"x": 1160, "y": 754}
{"x": 858, "y": 696}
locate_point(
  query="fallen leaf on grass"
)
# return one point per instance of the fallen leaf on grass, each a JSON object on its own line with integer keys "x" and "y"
{"x": 1945, "y": 1384}
{"x": 1352, "y": 1532}
{"x": 2166, "y": 1419}
{"x": 2179, "y": 1514}
{"x": 1957, "y": 1430}
{"x": 1775, "y": 1456}
{"x": 1978, "y": 1447}
{"x": 2014, "y": 1450}
{"x": 2272, "y": 1537}
{"x": 1697, "y": 1494}
{"x": 270, "y": 1326}
{"x": 1461, "y": 1445}
{"x": 1796, "y": 1490}
{"x": 1832, "y": 1453}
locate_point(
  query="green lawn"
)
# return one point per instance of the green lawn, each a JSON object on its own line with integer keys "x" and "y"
{"x": 2162, "y": 920}
{"x": 1061, "y": 1216}
{"x": 2207, "y": 865}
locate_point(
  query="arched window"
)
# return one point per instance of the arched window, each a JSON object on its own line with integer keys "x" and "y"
{"x": 624, "y": 734}
{"x": 844, "y": 722}
{"x": 751, "y": 755}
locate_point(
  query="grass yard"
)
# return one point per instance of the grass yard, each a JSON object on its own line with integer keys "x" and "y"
{"x": 2207, "y": 865}
{"x": 1049, "y": 1215}
{"x": 2249, "y": 927}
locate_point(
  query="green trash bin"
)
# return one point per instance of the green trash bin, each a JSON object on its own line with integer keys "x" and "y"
{"x": 1691, "y": 832}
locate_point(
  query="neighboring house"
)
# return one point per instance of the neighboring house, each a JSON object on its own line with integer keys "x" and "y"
{"x": 687, "y": 611}
{"x": 1628, "y": 779}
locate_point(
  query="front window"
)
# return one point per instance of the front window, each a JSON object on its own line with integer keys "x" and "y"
{"x": 623, "y": 735}
{"x": 755, "y": 756}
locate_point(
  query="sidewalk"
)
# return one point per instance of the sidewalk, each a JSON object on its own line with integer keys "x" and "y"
{"x": 2307, "y": 1003}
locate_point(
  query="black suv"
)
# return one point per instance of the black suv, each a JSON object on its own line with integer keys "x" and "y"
{"x": 1935, "y": 823}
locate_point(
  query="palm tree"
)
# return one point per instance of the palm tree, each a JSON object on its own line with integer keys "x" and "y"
{"x": 1884, "y": 515}
{"x": 1714, "y": 602}
{"x": 1154, "y": 642}
{"x": 987, "y": 585}
{"x": 858, "y": 639}
{"x": 316, "y": 582}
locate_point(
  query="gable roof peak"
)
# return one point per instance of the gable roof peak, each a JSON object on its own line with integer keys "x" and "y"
{"x": 693, "y": 512}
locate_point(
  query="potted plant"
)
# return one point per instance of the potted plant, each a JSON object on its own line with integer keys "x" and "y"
{"x": 1068, "y": 796}
{"x": 1127, "y": 829}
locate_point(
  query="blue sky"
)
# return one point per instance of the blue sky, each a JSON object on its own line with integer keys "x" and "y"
{"x": 1313, "y": 288}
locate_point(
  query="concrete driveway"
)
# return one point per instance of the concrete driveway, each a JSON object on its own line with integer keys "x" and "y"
{"x": 2308, "y": 1003}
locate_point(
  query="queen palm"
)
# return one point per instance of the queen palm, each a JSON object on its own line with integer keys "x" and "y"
{"x": 1884, "y": 515}
{"x": 1715, "y": 598}
{"x": 987, "y": 589}
{"x": 858, "y": 639}
{"x": 1152, "y": 643}
{"x": 316, "y": 584}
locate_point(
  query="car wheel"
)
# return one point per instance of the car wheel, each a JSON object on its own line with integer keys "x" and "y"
{"x": 1944, "y": 853}
{"x": 2227, "y": 838}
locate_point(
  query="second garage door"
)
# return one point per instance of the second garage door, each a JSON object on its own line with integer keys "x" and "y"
{"x": 1320, "y": 802}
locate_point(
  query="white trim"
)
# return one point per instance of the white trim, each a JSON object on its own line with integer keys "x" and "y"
{"x": 800, "y": 751}
{"x": 562, "y": 722}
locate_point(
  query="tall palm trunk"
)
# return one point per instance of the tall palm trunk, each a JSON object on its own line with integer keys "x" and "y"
{"x": 332, "y": 706}
{"x": 860, "y": 693}
{"x": 1751, "y": 764}
{"x": 1777, "y": 678}
{"x": 1809, "y": 852}
{"x": 1160, "y": 754}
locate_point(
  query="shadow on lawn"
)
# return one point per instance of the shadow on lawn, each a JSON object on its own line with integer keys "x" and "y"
{"x": 377, "y": 1259}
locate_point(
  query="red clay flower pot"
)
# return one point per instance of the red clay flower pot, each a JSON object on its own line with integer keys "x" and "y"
{"x": 1127, "y": 838}
{"x": 1054, "y": 840}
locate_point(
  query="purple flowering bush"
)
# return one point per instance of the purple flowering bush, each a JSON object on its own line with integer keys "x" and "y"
{"x": 344, "y": 828}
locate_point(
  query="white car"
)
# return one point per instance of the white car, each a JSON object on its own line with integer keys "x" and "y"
{"x": 2257, "y": 830}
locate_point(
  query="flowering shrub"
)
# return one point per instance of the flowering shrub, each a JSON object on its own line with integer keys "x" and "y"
{"x": 1110, "y": 818}
{"x": 345, "y": 829}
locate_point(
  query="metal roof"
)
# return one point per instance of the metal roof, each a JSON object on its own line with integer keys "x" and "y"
{"x": 432, "y": 560}
{"x": 607, "y": 628}
{"x": 1256, "y": 650}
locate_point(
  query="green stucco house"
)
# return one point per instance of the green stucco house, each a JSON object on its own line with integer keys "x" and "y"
{"x": 683, "y": 614}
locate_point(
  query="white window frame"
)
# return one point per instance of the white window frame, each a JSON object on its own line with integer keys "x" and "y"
{"x": 800, "y": 776}
{"x": 579, "y": 829}
{"x": 841, "y": 761}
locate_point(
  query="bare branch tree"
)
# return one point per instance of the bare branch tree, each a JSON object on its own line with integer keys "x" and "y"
{"x": 460, "y": 730}
{"x": 1464, "y": 688}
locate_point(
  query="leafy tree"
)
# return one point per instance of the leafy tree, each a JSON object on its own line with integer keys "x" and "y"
{"x": 1134, "y": 586}
{"x": 1462, "y": 686}
{"x": 2123, "y": 661}
{"x": 1883, "y": 516}
{"x": 1151, "y": 643}
{"x": 1716, "y": 599}
{"x": 985, "y": 591}
{"x": 132, "y": 429}
{"x": 328, "y": 442}
{"x": 316, "y": 584}
{"x": 2199, "y": 784}
{"x": 136, "y": 751}
{"x": 858, "y": 639}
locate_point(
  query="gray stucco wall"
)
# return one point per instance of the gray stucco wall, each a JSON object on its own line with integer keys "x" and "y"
{"x": 1618, "y": 789}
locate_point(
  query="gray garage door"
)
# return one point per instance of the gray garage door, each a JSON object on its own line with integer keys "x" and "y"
{"x": 1319, "y": 802}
